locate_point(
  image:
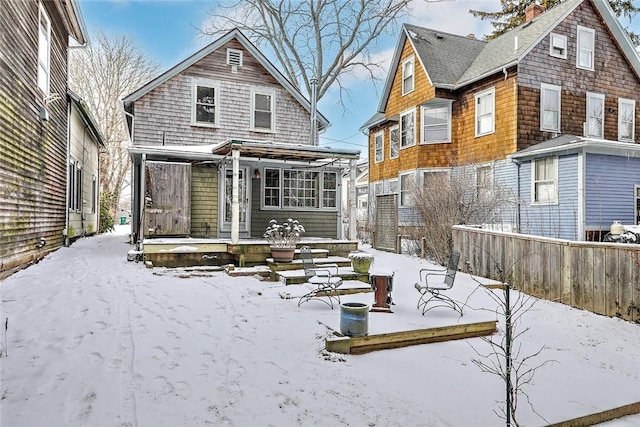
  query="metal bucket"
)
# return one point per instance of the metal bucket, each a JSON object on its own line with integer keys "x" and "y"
{"x": 354, "y": 319}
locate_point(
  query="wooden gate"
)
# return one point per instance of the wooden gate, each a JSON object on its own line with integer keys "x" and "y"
{"x": 167, "y": 199}
{"x": 386, "y": 223}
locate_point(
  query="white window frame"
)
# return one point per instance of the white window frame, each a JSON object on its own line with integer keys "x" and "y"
{"x": 44, "y": 49}
{"x": 595, "y": 102}
{"x": 276, "y": 189}
{"x": 317, "y": 192}
{"x": 625, "y": 120}
{"x": 636, "y": 201}
{"x": 584, "y": 48}
{"x": 212, "y": 84}
{"x": 537, "y": 182}
{"x": 94, "y": 193}
{"x": 394, "y": 145}
{"x": 79, "y": 190}
{"x": 272, "y": 105}
{"x": 558, "y": 45}
{"x": 546, "y": 92}
{"x": 486, "y": 96}
{"x": 425, "y": 109}
{"x": 484, "y": 184}
{"x": 378, "y": 147}
{"x": 405, "y": 199}
{"x": 232, "y": 54}
{"x": 393, "y": 186}
{"x": 71, "y": 184}
{"x": 411, "y": 134}
{"x": 408, "y": 76}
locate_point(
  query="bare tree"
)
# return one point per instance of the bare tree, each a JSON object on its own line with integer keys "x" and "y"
{"x": 325, "y": 40}
{"x": 108, "y": 69}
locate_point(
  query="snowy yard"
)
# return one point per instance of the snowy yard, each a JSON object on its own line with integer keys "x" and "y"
{"x": 94, "y": 340}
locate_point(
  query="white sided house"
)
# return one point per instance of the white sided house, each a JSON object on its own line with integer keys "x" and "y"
{"x": 222, "y": 144}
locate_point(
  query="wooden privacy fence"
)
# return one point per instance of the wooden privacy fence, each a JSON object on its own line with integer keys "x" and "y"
{"x": 600, "y": 277}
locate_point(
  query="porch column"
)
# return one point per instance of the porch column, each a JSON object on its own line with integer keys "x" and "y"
{"x": 353, "y": 214}
{"x": 235, "y": 206}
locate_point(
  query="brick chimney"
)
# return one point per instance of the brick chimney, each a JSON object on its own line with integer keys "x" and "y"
{"x": 532, "y": 11}
{"x": 471, "y": 36}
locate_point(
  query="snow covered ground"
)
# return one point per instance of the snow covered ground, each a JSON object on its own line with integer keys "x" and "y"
{"x": 94, "y": 340}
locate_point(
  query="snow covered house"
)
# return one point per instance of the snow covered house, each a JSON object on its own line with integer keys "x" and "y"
{"x": 34, "y": 130}
{"x": 222, "y": 144}
{"x": 546, "y": 111}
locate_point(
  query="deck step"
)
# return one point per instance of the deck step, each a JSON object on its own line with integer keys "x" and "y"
{"x": 296, "y": 264}
{"x": 296, "y": 277}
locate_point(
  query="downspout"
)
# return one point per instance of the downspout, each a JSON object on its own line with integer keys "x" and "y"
{"x": 132, "y": 235}
{"x": 353, "y": 232}
{"x": 314, "y": 112}
{"x": 517, "y": 163}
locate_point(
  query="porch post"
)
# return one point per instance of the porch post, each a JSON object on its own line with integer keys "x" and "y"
{"x": 353, "y": 232}
{"x": 235, "y": 206}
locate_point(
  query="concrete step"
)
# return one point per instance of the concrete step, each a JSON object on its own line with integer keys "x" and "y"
{"x": 296, "y": 277}
{"x": 296, "y": 264}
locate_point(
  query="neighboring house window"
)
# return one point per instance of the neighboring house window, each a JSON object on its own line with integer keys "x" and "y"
{"x": 272, "y": 187}
{"x": 378, "y": 139}
{"x": 394, "y": 143}
{"x": 234, "y": 57}
{"x": 435, "y": 180}
{"x": 94, "y": 193}
{"x": 378, "y": 188}
{"x": 545, "y": 178}
{"x": 44, "y": 50}
{"x": 408, "y": 129}
{"x": 626, "y": 119}
{"x": 586, "y": 43}
{"x": 595, "y": 115}
{"x": 550, "y": 108}
{"x": 558, "y": 45}
{"x": 78, "y": 198}
{"x": 407, "y": 76}
{"x": 436, "y": 123}
{"x": 484, "y": 181}
{"x": 290, "y": 188}
{"x": 262, "y": 107}
{"x": 485, "y": 112}
{"x": 407, "y": 182}
{"x": 329, "y": 189}
{"x": 71, "y": 182}
{"x": 637, "y": 204}
{"x": 393, "y": 186}
{"x": 205, "y": 111}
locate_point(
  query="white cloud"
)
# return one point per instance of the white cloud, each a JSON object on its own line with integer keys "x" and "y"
{"x": 453, "y": 16}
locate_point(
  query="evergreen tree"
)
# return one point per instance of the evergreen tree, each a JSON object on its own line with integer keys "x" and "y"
{"x": 513, "y": 14}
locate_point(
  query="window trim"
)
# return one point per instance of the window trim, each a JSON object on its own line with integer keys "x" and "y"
{"x": 396, "y": 129}
{"x": 378, "y": 137}
{"x": 553, "y": 180}
{"x": 212, "y": 84}
{"x": 401, "y": 191}
{"x": 94, "y": 193}
{"x": 491, "y": 93}
{"x": 580, "y": 47}
{"x": 544, "y": 87}
{"x": 621, "y": 103}
{"x": 489, "y": 186}
{"x": 412, "y": 76}
{"x": 403, "y": 114}
{"x": 71, "y": 184}
{"x": 591, "y": 97}
{"x": 552, "y": 52}
{"x": 322, "y": 191}
{"x": 266, "y": 92}
{"x": 636, "y": 201}
{"x": 44, "y": 68}
{"x": 431, "y": 106}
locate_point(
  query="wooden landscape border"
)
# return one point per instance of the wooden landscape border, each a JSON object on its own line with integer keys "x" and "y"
{"x": 601, "y": 417}
{"x": 361, "y": 345}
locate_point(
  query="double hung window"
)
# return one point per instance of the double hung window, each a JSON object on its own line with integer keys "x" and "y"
{"x": 545, "y": 180}
{"x": 485, "y": 112}
{"x": 550, "y": 108}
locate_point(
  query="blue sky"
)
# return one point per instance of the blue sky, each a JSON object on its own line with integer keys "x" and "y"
{"x": 167, "y": 31}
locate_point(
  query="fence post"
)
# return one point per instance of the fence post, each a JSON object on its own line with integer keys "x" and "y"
{"x": 399, "y": 244}
{"x": 423, "y": 247}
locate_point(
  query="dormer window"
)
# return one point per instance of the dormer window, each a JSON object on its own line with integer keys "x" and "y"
{"x": 407, "y": 76}
{"x": 234, "y": 57}
{"x": 558, "y": 46}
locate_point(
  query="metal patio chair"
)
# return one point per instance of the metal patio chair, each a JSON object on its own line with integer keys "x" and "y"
{"x": 436, "y": 282}
{"x": 324, "y": 278}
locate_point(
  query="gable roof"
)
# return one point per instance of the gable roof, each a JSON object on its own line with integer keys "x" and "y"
{"x": 202, "y": 53}
{"x": 86, "y": 117}
{"x": 452, "y": 62}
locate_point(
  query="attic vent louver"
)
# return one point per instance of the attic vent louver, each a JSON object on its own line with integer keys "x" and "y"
{"x": 234, "y": 58}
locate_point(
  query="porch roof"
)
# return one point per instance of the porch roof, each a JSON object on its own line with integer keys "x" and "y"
{"x": 565, "y": 144}
{"x": 248, "y": 149}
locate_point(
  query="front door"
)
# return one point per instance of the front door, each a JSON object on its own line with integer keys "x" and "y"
{"x": 243, "y": 202}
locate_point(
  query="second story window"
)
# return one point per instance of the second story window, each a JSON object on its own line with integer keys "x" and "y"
{"x": 586, "y": 43}
{"x": 595, "y": 115}
{"x": 394, "y": 143}
{"x": 626, "y": 119}
{"x": 485, "y": 112}
{"x": 262, "y": 107}
{"x": 204, "y": 109}
{"x": 550, "y": 108}
{"x": 436, "y": 123}
{"x": 379, "y": 147}
{"x": 408, "y": 129}
{"x": 44, "y": 50}
{"x": 558, "y": 45}
{"x": 407, "y": 76}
